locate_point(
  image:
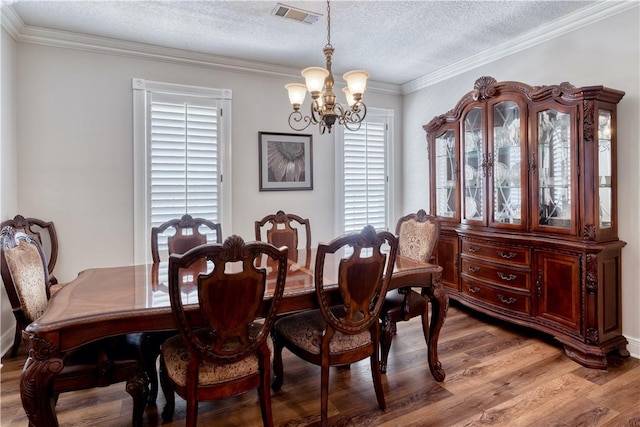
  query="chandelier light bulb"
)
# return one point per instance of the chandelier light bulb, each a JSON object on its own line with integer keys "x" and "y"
{"x": 349, "y": 96}
{"x": 314, "y": 78}
{"x": 357, "y": 82}
{"x": 297, "y": 93}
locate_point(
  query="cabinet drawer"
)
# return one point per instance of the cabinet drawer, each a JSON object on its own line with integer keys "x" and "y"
{"x": 502, "y": 253}
{"x": 501, "y": 275}
{"x": 497, "y": 296}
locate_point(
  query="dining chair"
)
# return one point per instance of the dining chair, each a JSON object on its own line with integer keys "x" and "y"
{"x": 348, "y": 330}
{"x": 97, "y": 364}
{"x": 178, "y": 236}
{"x": 282, "y": 229}
{"x": 183, "y": 234}
{"x": 45, "y": 233}
{"x": 417, "y": 238}
{"x": 230, "y": 353}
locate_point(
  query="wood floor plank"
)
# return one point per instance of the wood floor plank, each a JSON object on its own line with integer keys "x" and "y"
{"x": 496, "y": 375}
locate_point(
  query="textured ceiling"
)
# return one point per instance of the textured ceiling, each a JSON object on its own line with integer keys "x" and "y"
{"x": 397, "y": 41}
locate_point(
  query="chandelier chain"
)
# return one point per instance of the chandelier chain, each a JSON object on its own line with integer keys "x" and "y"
{"x": 328, "y": 24}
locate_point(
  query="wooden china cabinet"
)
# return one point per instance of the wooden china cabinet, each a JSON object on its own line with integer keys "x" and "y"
{"x": 523, "y": 179}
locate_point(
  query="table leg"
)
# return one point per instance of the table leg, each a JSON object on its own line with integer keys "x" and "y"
{"x": 439, "y": 306}
{"x": 36, "y": 389}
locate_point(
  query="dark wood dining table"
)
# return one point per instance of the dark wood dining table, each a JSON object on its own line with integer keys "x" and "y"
{"x": 104, "y": 302}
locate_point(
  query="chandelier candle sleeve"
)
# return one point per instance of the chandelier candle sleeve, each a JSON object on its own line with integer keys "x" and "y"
{"x": 325, "y": 111}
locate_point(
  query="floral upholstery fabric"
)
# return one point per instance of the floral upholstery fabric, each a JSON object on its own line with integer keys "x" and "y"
{"x": 27, "y": 271}
{"x": 416, "y": 240}
{"x": 305, "y": 331}
{"x": 177, "y": 356}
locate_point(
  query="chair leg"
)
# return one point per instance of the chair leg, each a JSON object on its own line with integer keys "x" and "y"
{"x": 138, "y": 388}
{"x": 192, "y": 412}
{"x": 150, "y": 353}
{"x": 265, "y": 395}
{"x": 278, "y": 370}
{"x": 377, "y": 381}
{"x": 169, "y": 394}
{"x": 387, "y": 331}
{"x": 324, "y": 395}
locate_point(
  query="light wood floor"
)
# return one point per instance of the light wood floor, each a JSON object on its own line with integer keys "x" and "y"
{"x": 497, "y": 375}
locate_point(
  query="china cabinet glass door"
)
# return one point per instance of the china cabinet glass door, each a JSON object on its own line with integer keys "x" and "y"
{"x": 507, "y": 163}
{"x": 604, "y": 168}
{"x": 555, "y": 165}
{"x": 475, "y": 166}
{"x": 446, "y": 175}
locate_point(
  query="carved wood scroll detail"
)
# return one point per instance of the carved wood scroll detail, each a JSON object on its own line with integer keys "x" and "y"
{"x": 591, "y": 274}
{"x": 482, "y": 88}
{"x": 592, "y": 336}
{"x": 38, "y": 372}
{"x": 589, "y": 121}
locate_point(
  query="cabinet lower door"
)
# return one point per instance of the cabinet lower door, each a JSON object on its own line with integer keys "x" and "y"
{"x": 558, "y": 288}
{"x": 447, "y": 254}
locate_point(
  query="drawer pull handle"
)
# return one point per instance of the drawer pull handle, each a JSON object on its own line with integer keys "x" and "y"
{"x": 474, "y": 268}
{"x": 474, "y": 249}
{"x": 507, "y": 255}
{"x": 508, "y": 278}
{"x": 474, "y": 290}
{"x": 509, "y": 300}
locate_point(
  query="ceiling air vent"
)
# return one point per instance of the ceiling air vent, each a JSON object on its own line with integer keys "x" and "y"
{"x": 296, "y": 14}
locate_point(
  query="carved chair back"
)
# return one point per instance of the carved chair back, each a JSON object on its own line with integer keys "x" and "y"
{"x": 27, "y": 278}
{"x": 418, "y": 236}
{"x": 44, "y": 232}
{"x": 361, "y": 280}
{"x": 282, "y": 230}
{"x": 186, "y": 233}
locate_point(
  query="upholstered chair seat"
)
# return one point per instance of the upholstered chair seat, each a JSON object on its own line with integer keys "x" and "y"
{"x": 177, "y": 357}
{"x": 305, "y": 331}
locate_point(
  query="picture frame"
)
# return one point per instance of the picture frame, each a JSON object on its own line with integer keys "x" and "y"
{"x": 285, "y": 161}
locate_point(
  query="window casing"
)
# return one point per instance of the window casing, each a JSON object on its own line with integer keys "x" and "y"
{"x": 181, "y": 145}
{"x": 364, "y": 159}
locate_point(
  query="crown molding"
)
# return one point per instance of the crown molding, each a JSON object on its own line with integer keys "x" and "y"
{"x": 11, "y": 21}
{"x": 70, "y": 40}
{"x": 14, "y": 25}
{"x": 581, "y": 18}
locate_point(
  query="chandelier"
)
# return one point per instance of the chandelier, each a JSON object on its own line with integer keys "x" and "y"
{"x": 325, "y": 111}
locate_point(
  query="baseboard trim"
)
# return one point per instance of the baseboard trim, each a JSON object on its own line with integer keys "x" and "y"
{"x": 633, "y": 347}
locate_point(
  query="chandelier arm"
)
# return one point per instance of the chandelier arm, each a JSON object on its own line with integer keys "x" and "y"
{"x": 296, "y": 117}
{"x": 316, "y": 113}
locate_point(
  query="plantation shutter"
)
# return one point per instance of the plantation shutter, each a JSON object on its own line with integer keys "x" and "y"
{"x": 184, "y": 158}
{"x": 365, "y": 176}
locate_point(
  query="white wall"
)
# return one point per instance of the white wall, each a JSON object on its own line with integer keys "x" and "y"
{"x": 75, "y": 149}
{"x": 606, "y": 53}
{"x": 8, "y": 171}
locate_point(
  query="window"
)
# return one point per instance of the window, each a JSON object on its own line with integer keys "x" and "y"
{"x": 364, "y": 169}
{"x": 180, "y": 141}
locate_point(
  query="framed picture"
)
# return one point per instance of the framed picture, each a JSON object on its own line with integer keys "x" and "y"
{"x": 286, "y": 161}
